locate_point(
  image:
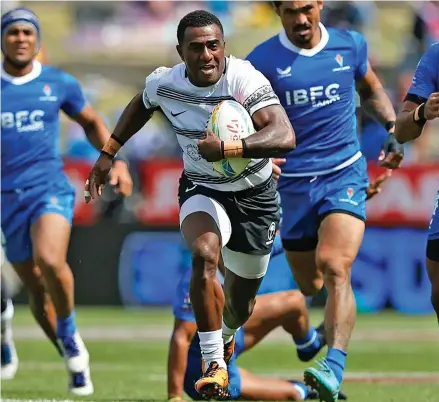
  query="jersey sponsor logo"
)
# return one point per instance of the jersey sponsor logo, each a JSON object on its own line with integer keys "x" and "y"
{"x": 317, "y": 96}
{"x": 23, "y": 120}
{"x": 284, "y": 73}
{"x": 341, "y": 67}
{"x": 48, "y": 95}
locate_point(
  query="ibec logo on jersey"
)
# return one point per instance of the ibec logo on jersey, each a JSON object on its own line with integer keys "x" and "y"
{"x": 317, "y": 96}
{"x": 23, "y": 120}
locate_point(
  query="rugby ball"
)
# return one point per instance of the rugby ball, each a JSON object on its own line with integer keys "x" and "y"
{"x": 230, "y": 122}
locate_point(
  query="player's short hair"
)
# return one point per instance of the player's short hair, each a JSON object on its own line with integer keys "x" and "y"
{"x": 197, "y": 19}
{"x": 277, "y": 3}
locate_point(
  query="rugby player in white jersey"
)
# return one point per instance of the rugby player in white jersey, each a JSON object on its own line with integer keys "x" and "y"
{"x": 237, "y": 217}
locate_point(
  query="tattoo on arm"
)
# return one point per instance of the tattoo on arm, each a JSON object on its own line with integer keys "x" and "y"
{"x": 377, "y": 104}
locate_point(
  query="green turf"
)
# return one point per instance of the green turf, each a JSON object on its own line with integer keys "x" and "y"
{"x": 136, "y": 370}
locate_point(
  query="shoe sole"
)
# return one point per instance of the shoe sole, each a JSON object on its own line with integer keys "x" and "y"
{"x": 213, "y": 391}
{"x": 325, "y": 394}
{"x": 82, "y": 391}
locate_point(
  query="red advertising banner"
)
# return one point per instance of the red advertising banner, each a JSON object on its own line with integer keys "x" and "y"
{"x": 77, "y": 171}
{"x": 407, "y": 198}
{"x": 159, "y": 186}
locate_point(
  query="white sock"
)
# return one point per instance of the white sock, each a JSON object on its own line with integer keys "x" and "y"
{"x": 228, "y": 333}
{"x": 212, "y": 347}
{"x": 300, "y": 391}
{"x": 9, "y": 312}
{"x": 6, "y": 319}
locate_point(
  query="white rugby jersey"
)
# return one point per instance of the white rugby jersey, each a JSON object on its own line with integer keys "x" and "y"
{"x": 188, "y": 109}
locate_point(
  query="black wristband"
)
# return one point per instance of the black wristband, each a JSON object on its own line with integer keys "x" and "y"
{"x": 244, "y": 148}
{"x": 222, "y": 149}
{"x": 118, "y": 140}
{"x": 107, "y": 154}
{"x": 422, "y": 120}
{"x": 389, "y": 125}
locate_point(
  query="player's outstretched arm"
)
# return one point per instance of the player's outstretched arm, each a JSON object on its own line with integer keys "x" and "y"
{"x": 94, "y": 126}
{"x": 374, "y": 99}
{"x": 133, "y": 118}
{"x": 413, "y": 116}
{"x": 181, "y": 338}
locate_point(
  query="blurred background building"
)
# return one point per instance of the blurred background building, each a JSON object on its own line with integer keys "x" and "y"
{"x": 112, "y": 46}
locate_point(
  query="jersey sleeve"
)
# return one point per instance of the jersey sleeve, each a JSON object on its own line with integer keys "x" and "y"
{"x": 423, "y": 83}
{"x": 74, "y": 99}
{"x": 152, "y": 82}
{"x": 252, "y": 90}
{"x": 361, "y": 54}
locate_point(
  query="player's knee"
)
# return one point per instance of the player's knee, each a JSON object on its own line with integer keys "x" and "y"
{"x": 336, "y": 270}
{"x": 205, "y": 256}
{"x": 294, "y": 300}
{"x": 49, "y": 262}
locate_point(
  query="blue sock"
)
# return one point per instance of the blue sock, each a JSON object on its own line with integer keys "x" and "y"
{"x": 66, "y": 326}
{"x": 309, "y": 344}
{"x": 301, "y": 388}
{"x": 336, "y": 359}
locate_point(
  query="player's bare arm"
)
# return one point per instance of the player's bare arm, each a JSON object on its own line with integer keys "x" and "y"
{"x": 376, "y": 103}
{"x": 275, "y": 137}
{"x": 98, "y": 134}
{"x": 133, "y": 118}
{"x": 181, "y": 339}
{"x": 413, "y": 116}
{"x": 94, "y": 127}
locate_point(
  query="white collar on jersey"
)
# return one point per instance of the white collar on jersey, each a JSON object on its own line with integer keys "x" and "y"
{"x": 285, "y": 42}
{"x": 36, "y": 71}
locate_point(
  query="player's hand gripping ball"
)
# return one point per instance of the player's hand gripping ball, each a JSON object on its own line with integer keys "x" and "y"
{"x": 229, "y": 121}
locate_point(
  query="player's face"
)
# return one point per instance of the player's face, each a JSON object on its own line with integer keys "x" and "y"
{"x": 20, "y": 43}
{"x": 202, "y": 50}
{"x": 300, "y": 20}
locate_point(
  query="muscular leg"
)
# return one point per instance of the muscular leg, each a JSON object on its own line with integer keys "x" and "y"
{"x": 207, "y": 296}
{"x": 304, "y": 268}
{"x": 283, "y": 309}
{"x": 433, "y": 273}
{"x": 50, "y": 235}
{"x": 244, "y": 274}
{"x": 39, "y": 300}
{"x": 240, "y": 294}
{"x": 203, "y": 237}
{"x": 50, "y": 238}
{"x": 340, "y": 237}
